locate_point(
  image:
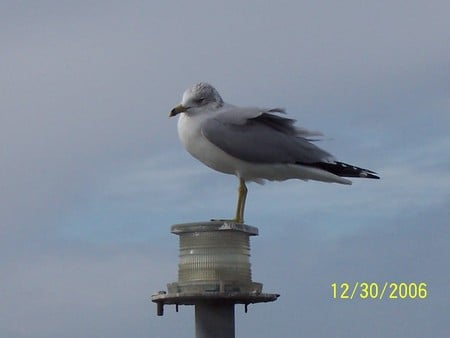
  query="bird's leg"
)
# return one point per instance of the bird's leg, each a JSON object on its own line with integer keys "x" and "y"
{"x": 242, "y": 194}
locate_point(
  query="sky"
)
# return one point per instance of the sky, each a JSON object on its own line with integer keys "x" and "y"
{"x": 92, "y": 174}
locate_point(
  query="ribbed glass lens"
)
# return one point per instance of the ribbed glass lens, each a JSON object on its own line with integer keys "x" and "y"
{"x": 214, "y": 256}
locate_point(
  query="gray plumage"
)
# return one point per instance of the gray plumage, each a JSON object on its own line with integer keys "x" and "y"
{"x": 257, "y": 135}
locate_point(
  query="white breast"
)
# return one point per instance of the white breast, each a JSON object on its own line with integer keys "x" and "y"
{"x": 200, "y": 148}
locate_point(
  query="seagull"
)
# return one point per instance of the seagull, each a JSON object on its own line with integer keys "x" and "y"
{"x": 253, "y": 143}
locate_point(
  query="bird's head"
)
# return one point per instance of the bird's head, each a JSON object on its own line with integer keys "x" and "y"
{"x": 200, "y": 97}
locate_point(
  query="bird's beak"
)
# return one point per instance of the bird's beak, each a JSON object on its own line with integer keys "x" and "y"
{"x": 178, "y": 109}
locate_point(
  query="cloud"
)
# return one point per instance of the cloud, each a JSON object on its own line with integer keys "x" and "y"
{"x": 83, "y": 290}
{"x": 92, "y": 173}
{"x": 410, "y": 248}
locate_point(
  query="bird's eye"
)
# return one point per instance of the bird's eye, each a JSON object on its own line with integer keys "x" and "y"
{"x": 200, "y": 100}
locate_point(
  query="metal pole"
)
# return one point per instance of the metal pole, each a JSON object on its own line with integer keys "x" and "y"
{"x": 214, "y": 320}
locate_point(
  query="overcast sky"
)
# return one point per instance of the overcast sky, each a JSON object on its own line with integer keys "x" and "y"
{"x": 92, "y": 174}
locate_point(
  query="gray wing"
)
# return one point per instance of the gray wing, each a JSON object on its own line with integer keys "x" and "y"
{"x": 240, "y": 115}
{"x": 262, "y": 137}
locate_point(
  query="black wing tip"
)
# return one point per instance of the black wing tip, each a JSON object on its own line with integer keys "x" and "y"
{"x": 349, "y": 170}
{"x": 369, "y": 174}
{"x": 345, "y": 170}
{"x": 354, "y": 171}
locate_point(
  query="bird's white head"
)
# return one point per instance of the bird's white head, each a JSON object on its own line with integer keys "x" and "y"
{"x": 199, "y": 97}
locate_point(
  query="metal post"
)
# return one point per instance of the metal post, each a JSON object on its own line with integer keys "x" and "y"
{"x": 214, "y": 320}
